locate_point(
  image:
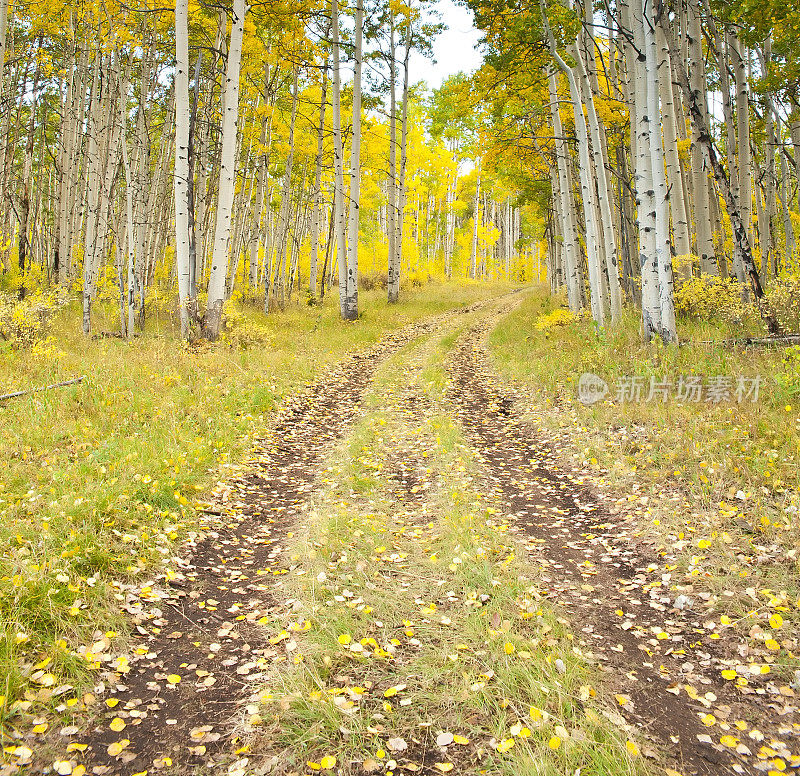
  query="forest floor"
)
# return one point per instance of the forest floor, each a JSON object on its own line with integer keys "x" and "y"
{"x": 411, "y": 575}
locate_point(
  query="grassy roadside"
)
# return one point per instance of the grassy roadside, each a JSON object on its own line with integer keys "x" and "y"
{"x": 99, "y": 480}
{"x": 418, "y": 642}
{"x": 715, "y": 485}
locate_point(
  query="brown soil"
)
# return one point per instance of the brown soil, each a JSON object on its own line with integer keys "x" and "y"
{"x": 204, "y": 626}
{"x": 599, "y": 575}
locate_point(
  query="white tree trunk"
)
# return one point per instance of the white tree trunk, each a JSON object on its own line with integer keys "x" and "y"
{"x": 351, "y": 287}
{"x": 338, "y": 160}
{"x": 316, "y": 213}
{"x": 700, "y": 182}
{"x": 743, "y": 137}
{"x": 181, "y": 170}
{"x": 678, "y": 204}
{"x": 227, "y": 176}
{"x": 587, "y": 183}
{"x": 473, "y": 260}
{"x": 567, "y": 210}
{"x": 645, "y": 188}
{"x": 129, "y": 232}
{"x": 606, "y": 220}
{"x": 663, "y": 256}
{"x": 393, "y": 270}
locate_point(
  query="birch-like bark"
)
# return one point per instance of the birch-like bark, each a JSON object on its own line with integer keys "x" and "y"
{"x": 645, "y": 189}
{"x": 743, "y": 137}
{"x": 192, "y": 158}
{"x": 567, "y": 210}
{"x": 599, "y": 155}
{"x": 286, "y": 203}
{"x": 584, "y": 169}
{"x": 181, "y": 169}
{"x": 700, "y": 183}
{"x": 350, "y": 307}
{"x": 473, "y": 259}
{"x": 227, "y": 177}
{"x": 316, "y": 213}
{"x": 769, "y": 259}
{"x": 677, "y": 200}
{"x": 401, "y": 187}
{"x": 393, "y": 270}
{"x": 788, "y": 228}
{"x": 667, "y": 328}
{"x": 130, "y": 238}
{"x": 698, "y": 116}
{"x": 338, "y": 159}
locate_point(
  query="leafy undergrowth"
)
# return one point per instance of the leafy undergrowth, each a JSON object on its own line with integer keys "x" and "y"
{"x": 714, "y": 484}
{"x": 419, "y": 641}
{"x": 99, "y": 480}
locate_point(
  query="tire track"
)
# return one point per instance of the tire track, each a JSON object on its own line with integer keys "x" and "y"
{"x": 592, "y": 570}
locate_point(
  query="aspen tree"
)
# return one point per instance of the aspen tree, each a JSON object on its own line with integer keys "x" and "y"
{"x": 393, "y": 269}
{"x": 350, "y": 302}
{"x": 663, "y": 255}
{"x": 645, "y": 190}
{"x": 700, "y": 183}
{"x": 181, "y": 169}
{"x": 679, "y": 207}
{"x": 286, "y": 203}
{"x": 698, "y": 116}
{"x": 584, "y": 168}
{"x": 227, "y": 178}
{"x": 130, "y": 239}
{"x": 566, "y": 207}
{"x": 317, "y": 193}
{"x": 606, "y": 220}
{"x": 401, "y": 187}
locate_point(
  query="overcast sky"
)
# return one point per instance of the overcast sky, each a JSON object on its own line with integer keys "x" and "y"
{"x": 455, "y": 49}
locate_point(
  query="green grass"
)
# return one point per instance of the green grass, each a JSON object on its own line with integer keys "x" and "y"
{"x": 443, "y": 610}
{"x": 715, "y": 485}
{"x": 98, "y": 481}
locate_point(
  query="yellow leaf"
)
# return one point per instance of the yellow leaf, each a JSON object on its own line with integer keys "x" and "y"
{"x": 633, "y": 749}
{"x": 505, "y": 745}
{"x": 509, "y": 648}
{"x": 775, "y": 621}
{"x": 460, "y": 740}
{"x": 554, "y": 742}
{"x": 117, "y": 747}
{"x": 622, "y": 699}
{"x": 444, "y": 767}
{"x": 729, "y": 674}
{"x": 708, "y": 719}
{"x": 327, "y": 762}
{"x": 345, "y": 639}
{"x": 173, "y": 678}
{"x": 535, "y": 713}
{"x": 730, "y": 741}
{"x": 117, "y": 725}
{"x": 772, "y": 644}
